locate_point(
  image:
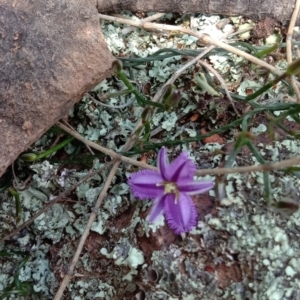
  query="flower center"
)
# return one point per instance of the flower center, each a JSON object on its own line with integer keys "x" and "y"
{"x": 170, "y": 188}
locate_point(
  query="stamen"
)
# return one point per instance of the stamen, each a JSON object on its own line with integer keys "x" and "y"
{"x": 176, "y": 196}
{"x": 171, "y": 188}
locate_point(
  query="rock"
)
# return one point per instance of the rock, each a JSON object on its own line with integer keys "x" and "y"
{"x": 51, "y": 53}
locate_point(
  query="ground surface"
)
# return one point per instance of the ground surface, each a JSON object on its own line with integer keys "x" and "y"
{"x": 242, "y": 248}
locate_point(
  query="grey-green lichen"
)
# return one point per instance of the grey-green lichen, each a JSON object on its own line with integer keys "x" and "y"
{"x": 265, "y": 244}
{"x": 242, "y": 233}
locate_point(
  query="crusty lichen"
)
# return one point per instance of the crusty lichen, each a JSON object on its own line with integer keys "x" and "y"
{"x": 240, "y": 250}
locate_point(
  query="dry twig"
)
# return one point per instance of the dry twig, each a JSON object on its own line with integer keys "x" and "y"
{"x": 289, "y": 47}
{"x": 203, "y": 37}
{"x": 148, "y": 19}
{"x": 131, "y": 141}
{"x": 210, "y": 41}
{"x": 118, "y": 159}
{"x": 55, "y": 200}
{"x": 217, "y": 171}
{"x": 86, "y": 232}
{"x": 100, "y": 148}
{"x": 177, "y": 73}
{"x": 221, "y": 80}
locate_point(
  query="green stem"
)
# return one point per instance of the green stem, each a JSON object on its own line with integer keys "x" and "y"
{"x": 139, "y": 97}
{"x": 16, "y": 195}
{"x": 266, "y": 174}
{"x": 55, "y": 148}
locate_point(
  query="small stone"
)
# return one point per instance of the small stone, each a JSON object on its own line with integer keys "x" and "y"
{"x": 264, "y": 28}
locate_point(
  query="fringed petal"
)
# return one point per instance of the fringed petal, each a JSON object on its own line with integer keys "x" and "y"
{"x": 181, "y": 215}
{"x": 143, "y": 184}
{"x": 157, "y": 209}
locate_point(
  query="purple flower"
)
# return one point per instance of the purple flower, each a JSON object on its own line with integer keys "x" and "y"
{"x": 170, "y": 187}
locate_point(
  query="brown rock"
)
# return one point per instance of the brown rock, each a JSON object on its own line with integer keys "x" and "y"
{"x": 52, "y": 52}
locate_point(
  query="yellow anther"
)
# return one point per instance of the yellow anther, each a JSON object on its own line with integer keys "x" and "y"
{"x": 170, "y": 188}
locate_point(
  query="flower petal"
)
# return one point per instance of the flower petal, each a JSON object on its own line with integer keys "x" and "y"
{"x": 143, "y": 184}
{"x": 196, "y": 187}
{"x": 181, "y": 216}
{"x": 181, "y": 169}
{"x": 163, "y": 163}
{"x": 157, "y": 209}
